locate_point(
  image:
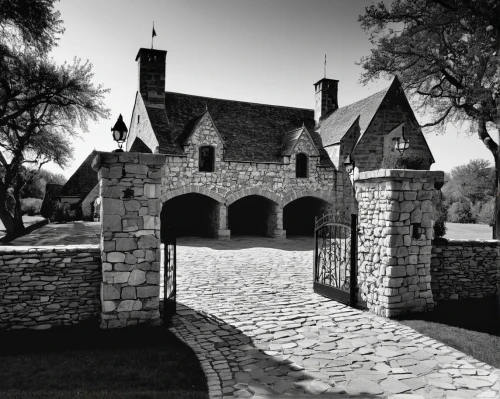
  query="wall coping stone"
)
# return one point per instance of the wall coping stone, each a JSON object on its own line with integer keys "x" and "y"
{"x": 127, "y": 157}
{"x": 401, "y": 173}
{"x": 4, "y": 250}
{"x": 470, "y": 242}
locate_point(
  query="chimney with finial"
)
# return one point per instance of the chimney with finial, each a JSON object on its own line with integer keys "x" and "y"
{"x": 326, "y": 97}
{"x": 151, "y": 65}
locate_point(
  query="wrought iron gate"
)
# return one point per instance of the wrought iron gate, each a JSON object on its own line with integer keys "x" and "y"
{"x": 169, "y": 276}
{"x": 335, "y": 257}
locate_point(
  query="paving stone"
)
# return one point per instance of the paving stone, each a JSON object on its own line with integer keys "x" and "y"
{"x": 360, "y": 386}
{"x": 247, "y": 309}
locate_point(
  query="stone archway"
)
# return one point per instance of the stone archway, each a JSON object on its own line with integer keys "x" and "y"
{"x": 253, "y": 191}
{"x": 299, "y": 215}
{"x": 255, "y": 215}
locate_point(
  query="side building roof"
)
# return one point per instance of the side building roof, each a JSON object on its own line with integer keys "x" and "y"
{"x": 82, "y": 181}
{"x": 335, "y": 126}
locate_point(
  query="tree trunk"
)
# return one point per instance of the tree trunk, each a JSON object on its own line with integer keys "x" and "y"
{"x": 14, "y": 225}
{"x": 496, "y": 226}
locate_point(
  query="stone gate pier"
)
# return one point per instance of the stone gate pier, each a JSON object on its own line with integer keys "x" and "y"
{"x": 129, "y": 191}
{"x": 395, "y": 239}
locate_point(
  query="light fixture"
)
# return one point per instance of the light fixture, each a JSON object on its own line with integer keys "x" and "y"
{"x": 119, "y": 133}
{"x": 349, "y": 165}
{"x": 402, "y": 143}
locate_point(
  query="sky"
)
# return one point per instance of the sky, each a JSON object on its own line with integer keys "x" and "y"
{"x": 262, "y": 51}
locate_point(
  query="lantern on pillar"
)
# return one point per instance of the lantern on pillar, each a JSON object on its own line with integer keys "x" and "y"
{"x": 119, "y": 133}
{"x": 402, "y": 143}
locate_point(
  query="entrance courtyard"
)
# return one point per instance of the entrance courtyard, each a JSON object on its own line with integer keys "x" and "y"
{"x": 247, "y": 308}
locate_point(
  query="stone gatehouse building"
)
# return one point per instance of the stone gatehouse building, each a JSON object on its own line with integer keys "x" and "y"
{"x": 243, "y": 168}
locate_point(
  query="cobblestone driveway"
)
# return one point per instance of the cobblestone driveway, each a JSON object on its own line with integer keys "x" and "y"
{"x": 247, "y": 308}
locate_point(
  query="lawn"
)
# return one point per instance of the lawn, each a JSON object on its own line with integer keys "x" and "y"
{"x": 137, "y": 362}
{"x": 471, "y": 326}
{"x": 461, "y": 231}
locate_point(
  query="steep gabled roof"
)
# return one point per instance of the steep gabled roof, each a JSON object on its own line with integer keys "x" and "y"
{"x": 193, "y": 125}
{"x": 251, "y": 132}
{"x": 291, "y": 138}
{"x": 82, "y": 181}
{"x": 160, "y": 124}
{"x": 335, "y": 126}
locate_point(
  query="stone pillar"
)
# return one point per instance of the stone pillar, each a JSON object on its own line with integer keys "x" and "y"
{"x": 223, "y": 233}
{"x": 129, "y": 191}
{"x": 277, "y": 218}
{"x": 394, "y": 243}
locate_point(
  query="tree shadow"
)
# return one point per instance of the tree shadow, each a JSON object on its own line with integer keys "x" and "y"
{"x": 479, "y": 314}
{"x": 85, "y": 360}
{"x": 237, "y": 365}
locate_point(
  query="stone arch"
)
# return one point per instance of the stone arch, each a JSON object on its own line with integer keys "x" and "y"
{"x": 252, "y": 191}
{"x": 192, "y": 189}
{"x": 307, "y": 193}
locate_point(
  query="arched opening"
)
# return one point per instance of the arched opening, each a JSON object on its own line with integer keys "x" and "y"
{"x": 252, "y": 215}
{"x": 191, "y": 214}
{"x": 301, "y": 165}
{"x": 299, "y": 215}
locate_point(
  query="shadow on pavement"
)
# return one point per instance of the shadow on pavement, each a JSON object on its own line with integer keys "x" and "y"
{"x": 237, "y": 365}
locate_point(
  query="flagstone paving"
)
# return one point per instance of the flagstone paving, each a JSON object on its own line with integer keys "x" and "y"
{"x": 247, "y": 308}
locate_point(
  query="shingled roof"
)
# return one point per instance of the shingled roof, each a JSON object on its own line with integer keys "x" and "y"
{"x": 251, "y": 132}
{"x": 82, "y": 181}
{"x": 335, "y": 126}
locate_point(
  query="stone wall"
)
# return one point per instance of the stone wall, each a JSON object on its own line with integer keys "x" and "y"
{"x": 463, "y": 269}
{"x": 130, "y": 241}
{"x": 394, "y": 247}
{"x": 41, "y": 287}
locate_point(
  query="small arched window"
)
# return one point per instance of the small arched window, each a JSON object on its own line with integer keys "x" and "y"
{"x": 301, "y": 165}
{"x": 207, "y": 159}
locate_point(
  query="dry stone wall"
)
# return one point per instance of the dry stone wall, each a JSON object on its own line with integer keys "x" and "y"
{"x": 42, "y": 287}
{"x": 395, "y": 233}
{"x": 463, "y": 269}
{"x": 130, "y": 239}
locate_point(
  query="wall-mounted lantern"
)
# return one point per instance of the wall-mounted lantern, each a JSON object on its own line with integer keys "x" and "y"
{"x": 349, "y": 165}
{"x": 119, "y": 133}
{"x": 402, "y": 143}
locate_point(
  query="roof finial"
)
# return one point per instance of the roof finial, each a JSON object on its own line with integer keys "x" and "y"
{"x": 206, "y": 107}
{"x": 325, "y": 66}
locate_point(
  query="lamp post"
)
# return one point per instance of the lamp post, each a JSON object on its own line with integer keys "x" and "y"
{"x": 402, "y": 143}
{"x": 349, "y": 168}
{"x": 349, "y": 165}
{"x": 119, "y": 133}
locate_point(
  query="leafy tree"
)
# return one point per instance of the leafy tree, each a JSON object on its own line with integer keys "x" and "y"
{"x": 42, "y": 104}
{"x": 446, "y": 53}
{"x": 474, "y": 181}
{"x": 487, "y": 213}
{"x": 37, "y": 180}
{"x": 460, "y": 212}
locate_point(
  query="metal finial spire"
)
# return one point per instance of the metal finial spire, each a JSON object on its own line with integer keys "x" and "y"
{"x": 325, "y": 66}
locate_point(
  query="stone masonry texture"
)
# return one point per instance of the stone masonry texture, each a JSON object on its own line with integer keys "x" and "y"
{"x": 42, "y": 287}
{"x": 130, "y": 239}
{"x": 395, "y": 233}
{"x": 232, "y": 180}
{"x": 463, "y": 269}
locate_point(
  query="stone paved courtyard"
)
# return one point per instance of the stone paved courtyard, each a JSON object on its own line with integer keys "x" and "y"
{"x": 247, "y": 308}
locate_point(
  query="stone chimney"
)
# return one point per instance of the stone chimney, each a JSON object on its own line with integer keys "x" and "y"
{"x": 326, "y": 97}
{"x": 152, "y": 75}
